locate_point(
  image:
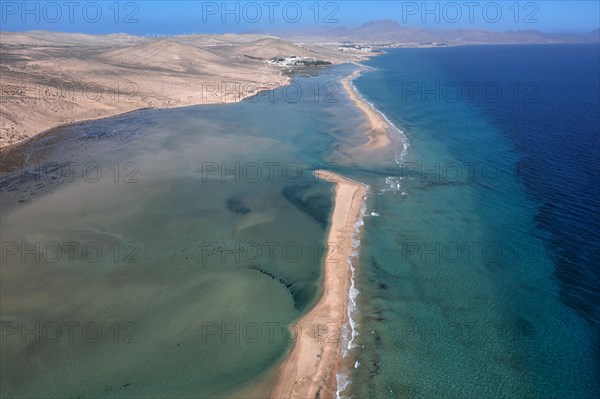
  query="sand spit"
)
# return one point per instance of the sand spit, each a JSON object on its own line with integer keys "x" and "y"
{"x": 376, "y": 127}
{"x": 310, "y": 369}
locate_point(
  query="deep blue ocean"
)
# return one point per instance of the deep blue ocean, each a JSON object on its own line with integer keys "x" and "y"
{"x": 481, "y": 275}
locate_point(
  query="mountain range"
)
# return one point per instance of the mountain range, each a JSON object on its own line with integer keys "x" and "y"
{"x": 391, "y": 31}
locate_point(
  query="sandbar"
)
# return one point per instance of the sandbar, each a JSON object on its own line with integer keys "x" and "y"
{"x": 376, "y": 126}
{"x": 309, "y": 371}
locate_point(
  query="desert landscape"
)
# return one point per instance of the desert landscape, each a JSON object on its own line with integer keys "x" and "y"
{"x": 52, "y": 79}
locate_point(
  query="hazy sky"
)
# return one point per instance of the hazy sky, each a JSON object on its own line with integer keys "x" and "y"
{"x": 150, "y": 17}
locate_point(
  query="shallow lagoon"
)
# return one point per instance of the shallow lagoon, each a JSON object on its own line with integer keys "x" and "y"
{"x": 169, "y": 250}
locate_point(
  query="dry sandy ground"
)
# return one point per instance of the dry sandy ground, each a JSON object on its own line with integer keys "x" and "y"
{"x": 50, "y": 79}
{"x": 376, "y": 126}
{"x": 310, "y": 370}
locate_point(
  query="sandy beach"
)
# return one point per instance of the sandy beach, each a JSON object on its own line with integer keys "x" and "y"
{"x": 309, "y": 371}
{"x": 376, "y": 127}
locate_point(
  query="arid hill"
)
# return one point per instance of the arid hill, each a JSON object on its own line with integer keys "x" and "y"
{"x": 49, "y": 79}
{"x": 161, "y": 54}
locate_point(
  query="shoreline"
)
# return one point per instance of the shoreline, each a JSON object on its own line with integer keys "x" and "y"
{"x": 10, "y": 154}
{"x": 241, "y": 96}
{"x": 110, "y": 110}
{"x": 310, "y": 369}
{"x": 376, "y": 125}
{"x": 50, "y": 85}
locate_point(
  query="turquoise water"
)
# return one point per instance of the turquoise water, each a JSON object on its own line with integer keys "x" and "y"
{"x": 460, "y": 296}
{"x": 176, "y": 245}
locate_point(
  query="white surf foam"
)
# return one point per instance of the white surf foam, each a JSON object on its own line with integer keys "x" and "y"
{"x": 403, "y": 139}
{"x": 349, "y": 331}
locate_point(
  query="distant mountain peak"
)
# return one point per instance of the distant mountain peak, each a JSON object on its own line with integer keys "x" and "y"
{"x": 381, "y": 23}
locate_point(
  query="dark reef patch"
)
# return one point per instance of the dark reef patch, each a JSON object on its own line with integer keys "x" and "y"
{"x": 308, "y": 200}
{"x": 302, "y": 292}
{"x": 236, "y": 206}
